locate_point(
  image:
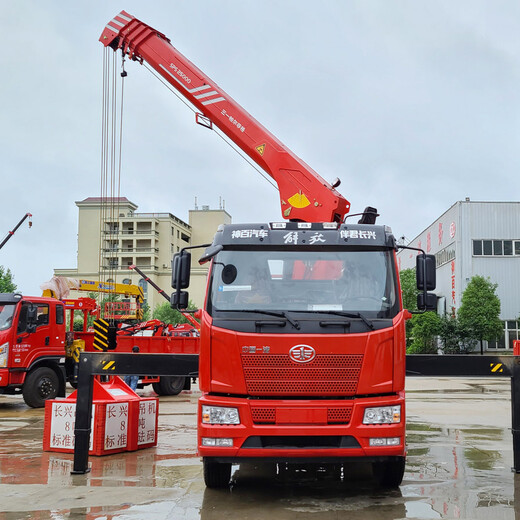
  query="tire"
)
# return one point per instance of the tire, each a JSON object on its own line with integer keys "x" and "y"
{"x": 390, "y": 473}
{"x": 216, "y": 474}
{"x": 157, "y": 388}
{"x": 171, "y": 385}
{"x": 40, "y": 384}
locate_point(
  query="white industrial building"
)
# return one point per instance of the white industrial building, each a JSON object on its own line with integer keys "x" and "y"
{"x": 475, "y": 238}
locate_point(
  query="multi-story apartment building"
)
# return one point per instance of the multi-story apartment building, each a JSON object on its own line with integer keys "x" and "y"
{"x": 113, "y": 236}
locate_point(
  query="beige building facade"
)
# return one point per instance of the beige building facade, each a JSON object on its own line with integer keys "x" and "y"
{"x": 112, "y": 236}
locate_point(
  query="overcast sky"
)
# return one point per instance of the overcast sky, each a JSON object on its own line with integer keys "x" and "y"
{"x": 413, "y": 104}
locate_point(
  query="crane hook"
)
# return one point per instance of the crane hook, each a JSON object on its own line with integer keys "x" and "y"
{"x": 124, "y": 74}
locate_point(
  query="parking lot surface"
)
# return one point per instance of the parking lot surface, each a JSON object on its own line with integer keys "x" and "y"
{"x": 459, "y": 466}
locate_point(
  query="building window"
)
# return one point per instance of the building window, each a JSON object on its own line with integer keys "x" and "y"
{"x": 496, "y": 247}
{"x": 144, "y": 286}
{"x": 127, "y": 281}
{"x": 511, "y": 332}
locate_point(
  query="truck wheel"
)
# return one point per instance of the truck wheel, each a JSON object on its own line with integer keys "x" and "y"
{"x": 216, "y": 474}
{"x": 171, "y": 385}
{"x": 390, "y": 472}
{"x": 157, "y": 388}
{"x": 41, "y": 384}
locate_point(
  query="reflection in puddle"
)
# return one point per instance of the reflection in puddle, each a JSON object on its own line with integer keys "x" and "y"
{"x": 457, "y": 471}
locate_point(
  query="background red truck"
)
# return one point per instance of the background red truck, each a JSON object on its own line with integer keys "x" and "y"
{"x": 39, "y": 350}
{"x": 33, "y": 344}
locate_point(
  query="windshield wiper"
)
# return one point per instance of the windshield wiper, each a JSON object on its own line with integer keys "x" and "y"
{"x": 280, "y": 314}
{"x": 346, "y": 314}
{"x": 367, "y": 322}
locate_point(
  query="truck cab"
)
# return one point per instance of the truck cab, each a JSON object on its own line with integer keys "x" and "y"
{"x": 32, "y": 347}
{"x": 302, "y": 355}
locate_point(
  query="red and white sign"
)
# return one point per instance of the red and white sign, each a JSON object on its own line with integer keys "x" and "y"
{"x": 147, "y": 422}
{"x": 62, "y": 424}
{"x": 116, "y": 426}
{"x": 452, "y": 230}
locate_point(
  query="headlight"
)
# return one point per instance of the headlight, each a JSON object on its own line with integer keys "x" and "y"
{"x": 4, "y": 353}
{"x": 382, "y": 415}
{"x": 220, "y": 415}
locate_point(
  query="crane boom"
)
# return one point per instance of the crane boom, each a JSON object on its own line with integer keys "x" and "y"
{"x": 165, "y": 295}
{"x": 11, "y": 233}
{"x": 304, "y": 195}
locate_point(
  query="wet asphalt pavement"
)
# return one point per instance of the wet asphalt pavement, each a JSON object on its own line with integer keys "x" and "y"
{"x": 458, "y": 466}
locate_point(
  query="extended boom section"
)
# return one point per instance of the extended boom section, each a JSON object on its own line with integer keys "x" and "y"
{"x": 304, "y": 195}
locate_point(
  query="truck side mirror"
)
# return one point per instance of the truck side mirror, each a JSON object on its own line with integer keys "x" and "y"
{"x": 179, "y": 300}
{"x": 210, "y": 252}
{"x": 181, "y": 266}
{"x": 427, "y": 301}
{"x": 32, "y": 317}
{"x": 426, "y": 281}
{"x": 425, "y": 272}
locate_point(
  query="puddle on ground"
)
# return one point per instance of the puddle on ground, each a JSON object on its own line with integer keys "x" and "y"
{"x": 451, "y": 473}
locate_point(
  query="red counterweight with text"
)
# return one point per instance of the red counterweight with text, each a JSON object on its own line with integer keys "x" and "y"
{"x": 121, "y": 420}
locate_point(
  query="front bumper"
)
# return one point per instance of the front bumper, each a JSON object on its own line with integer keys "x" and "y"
{"x": 301, "y": 430}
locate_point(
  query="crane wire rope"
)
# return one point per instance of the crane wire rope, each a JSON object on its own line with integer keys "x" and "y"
{"x": 215, "y": 129}
{"x": 110, "y": 177}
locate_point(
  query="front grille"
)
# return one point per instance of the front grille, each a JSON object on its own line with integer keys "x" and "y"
{"x": 268, "y": 415}
{"x": 276, "y": 374}
{"x": 339, "y": 415}
{"x": 263, "y": 415}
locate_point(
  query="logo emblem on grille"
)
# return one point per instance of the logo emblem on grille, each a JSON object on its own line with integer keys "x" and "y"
{"x": 302, "y": 353}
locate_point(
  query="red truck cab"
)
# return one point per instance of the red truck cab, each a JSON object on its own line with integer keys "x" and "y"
{"x": 302, "y": 354}
{"x": 32, "y": 347}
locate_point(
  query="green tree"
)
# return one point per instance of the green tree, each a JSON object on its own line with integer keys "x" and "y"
{"x": 409, "y": 289}
{"x": 166, "y": 314}
{"x": 425, "y": 328}
{"x": 452, "y": 336}
{"x": 147, "y": 312}
{"x": 479, "y": 311}
{"x": 7, "y": 284}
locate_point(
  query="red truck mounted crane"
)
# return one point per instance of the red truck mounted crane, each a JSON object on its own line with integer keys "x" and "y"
{"x": 39, "y": 348}
{"x": 38, "y": 344}
{"x": 302, "y": 342}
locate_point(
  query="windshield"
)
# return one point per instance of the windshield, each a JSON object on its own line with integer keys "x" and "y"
{"x": 6, "y": 315}
{"x": 305, "y": 281}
